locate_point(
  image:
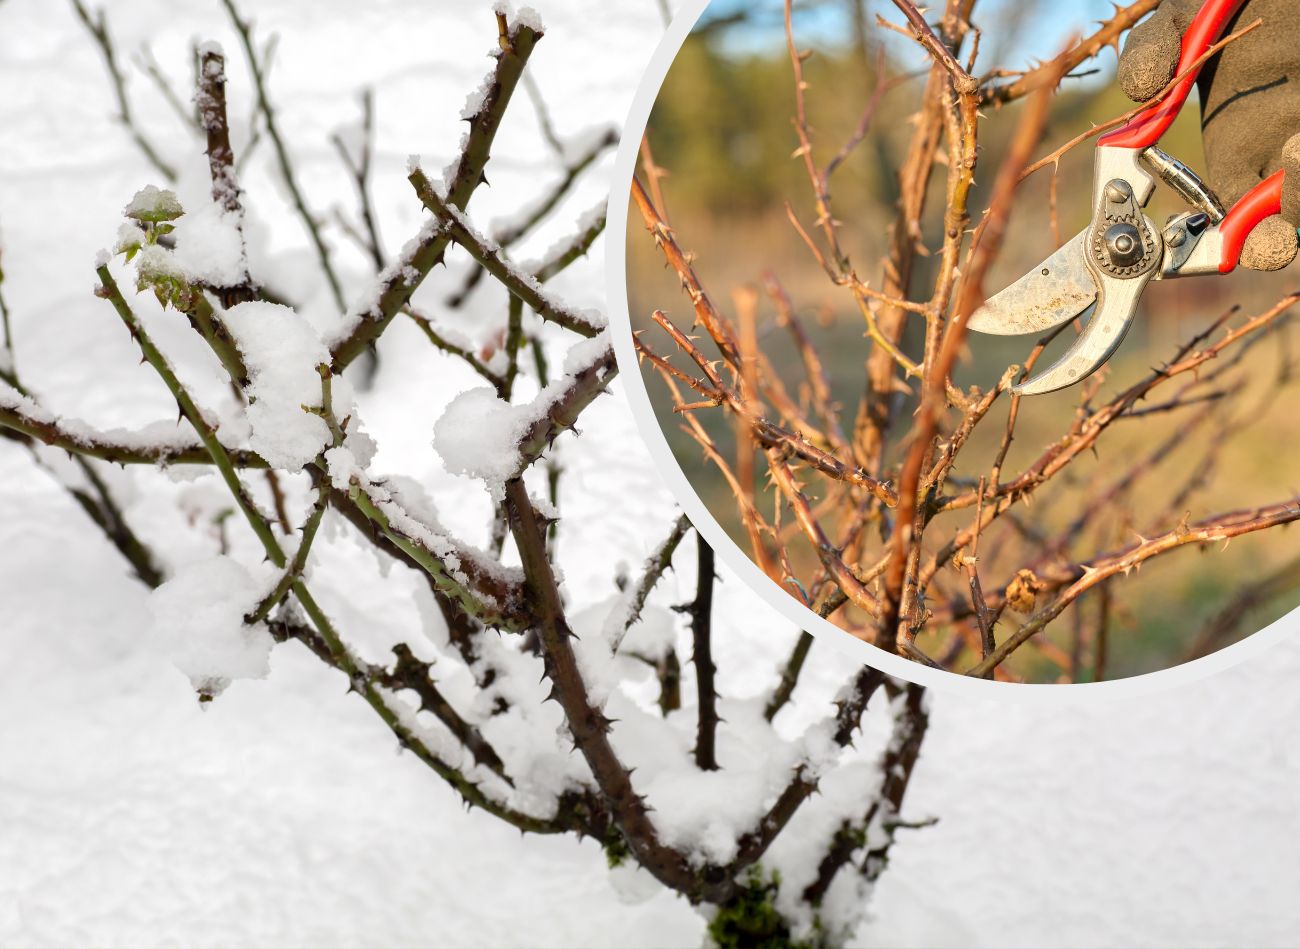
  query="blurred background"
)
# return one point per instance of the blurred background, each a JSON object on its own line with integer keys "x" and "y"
{"x": 722, "y": 129}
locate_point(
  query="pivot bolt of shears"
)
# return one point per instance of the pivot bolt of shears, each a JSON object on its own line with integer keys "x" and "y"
{"x": 1118, "y": 191}
{"x": 1123, "y": 245}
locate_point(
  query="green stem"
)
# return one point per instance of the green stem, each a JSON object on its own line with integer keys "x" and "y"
{"x": 432, "y": 565}
{"x": 206, "y": 432}
{"x": 214, "y": 333}
{"x": 98, "y": 27}
{"x": 293, "y": 572}
{"x": 341, "y": 657}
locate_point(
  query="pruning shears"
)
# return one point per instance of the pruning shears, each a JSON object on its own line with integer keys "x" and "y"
{"x": 1106, "y": 267}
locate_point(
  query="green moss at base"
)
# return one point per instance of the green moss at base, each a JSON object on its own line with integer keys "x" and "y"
{"x": 616, "y": 852}
{"x": 751, "y": 920}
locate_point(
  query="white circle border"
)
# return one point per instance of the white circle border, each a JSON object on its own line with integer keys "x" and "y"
{"x": 638, "y": 397}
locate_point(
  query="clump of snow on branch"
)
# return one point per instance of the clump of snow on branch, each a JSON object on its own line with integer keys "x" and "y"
{"x": 479, "y": 434}
{"x": 526, "y": 16}
{"x": 198, "y": 616}
{"x": 210, "y": 247}
{"x": 281, "y": 351}
{"x": 153, "y": 205}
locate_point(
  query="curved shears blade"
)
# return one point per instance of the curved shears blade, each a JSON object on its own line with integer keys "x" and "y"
{"x": 1110, "y": 322}
{"x": 1054, "y": 292}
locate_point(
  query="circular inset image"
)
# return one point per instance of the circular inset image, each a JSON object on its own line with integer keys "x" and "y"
{"x": 966, "y": 337}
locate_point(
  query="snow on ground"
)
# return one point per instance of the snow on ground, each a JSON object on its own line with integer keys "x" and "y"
{"x": 281, "y": 814}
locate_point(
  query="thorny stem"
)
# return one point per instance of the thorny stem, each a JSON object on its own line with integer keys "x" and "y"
{"x": 501, "y": 615}
{"x": 206, "y": 432}
{"x": 701, "y": 614}
{"x": 447, "y": 346}
{"x": 1222, "y": 528}
{"x": 211, "y": 103}
{"x": 507, "y": 237}
{"x": 122, "y": 451}
{"x": 656, "y": 565}
{"x": 307, "y": 535}
{"x": 789, "y": 676}
{"x": 582, "y": 810}
{"x": 911, "y": 589}
{"x": 489, "y": 258}
{"x": 911, "y": 720}
{"x": 588, "y": 724}
{"x": 369, "y": 683}
{"x": 1050, "y": 73}
{"x": 409, "y": 271}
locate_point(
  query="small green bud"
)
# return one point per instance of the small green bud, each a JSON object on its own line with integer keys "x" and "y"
{"x": 153, "y": 205}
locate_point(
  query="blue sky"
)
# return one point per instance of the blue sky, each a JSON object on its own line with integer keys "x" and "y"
{"x": 1047, "y": 25}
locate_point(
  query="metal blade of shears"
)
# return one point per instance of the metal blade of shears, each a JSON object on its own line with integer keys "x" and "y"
{"x": 1124, "y": 256}
{"x": 1054, "y": 292}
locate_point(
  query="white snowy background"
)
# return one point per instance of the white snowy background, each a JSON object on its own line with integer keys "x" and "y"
{"x": 282, "y": 814}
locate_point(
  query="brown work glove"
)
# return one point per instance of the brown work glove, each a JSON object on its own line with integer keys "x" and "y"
{"x": 1250, "y": 108}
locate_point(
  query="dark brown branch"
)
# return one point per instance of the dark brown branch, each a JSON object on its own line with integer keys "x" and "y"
{"x": 564, "y": 408}
{"x": 897, "y": 765}
{"x": 521, "y": 285}
{"x": 700, "y": 611}
{"x": 411, "y": 673}
{"x": 400, "y": 280}
{"x": 789, "y": 676}
{"x": 587, "y": 723}
{"x": 506, "y": 237}
{"x": 226, "y": 193}
{"x": 51, "y": 431}
{"x": 656, "y": 566}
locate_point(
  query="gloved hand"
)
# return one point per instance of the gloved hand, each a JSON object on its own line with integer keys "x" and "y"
{"x": 1250, "y": 108}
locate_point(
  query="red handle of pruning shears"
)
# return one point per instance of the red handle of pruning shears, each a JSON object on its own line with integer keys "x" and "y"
{"x": 1145, "y": 128}
{"x": 1262, "y": 201}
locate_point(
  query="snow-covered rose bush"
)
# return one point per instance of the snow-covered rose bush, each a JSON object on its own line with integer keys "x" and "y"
{"x": 600, "y": 718}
